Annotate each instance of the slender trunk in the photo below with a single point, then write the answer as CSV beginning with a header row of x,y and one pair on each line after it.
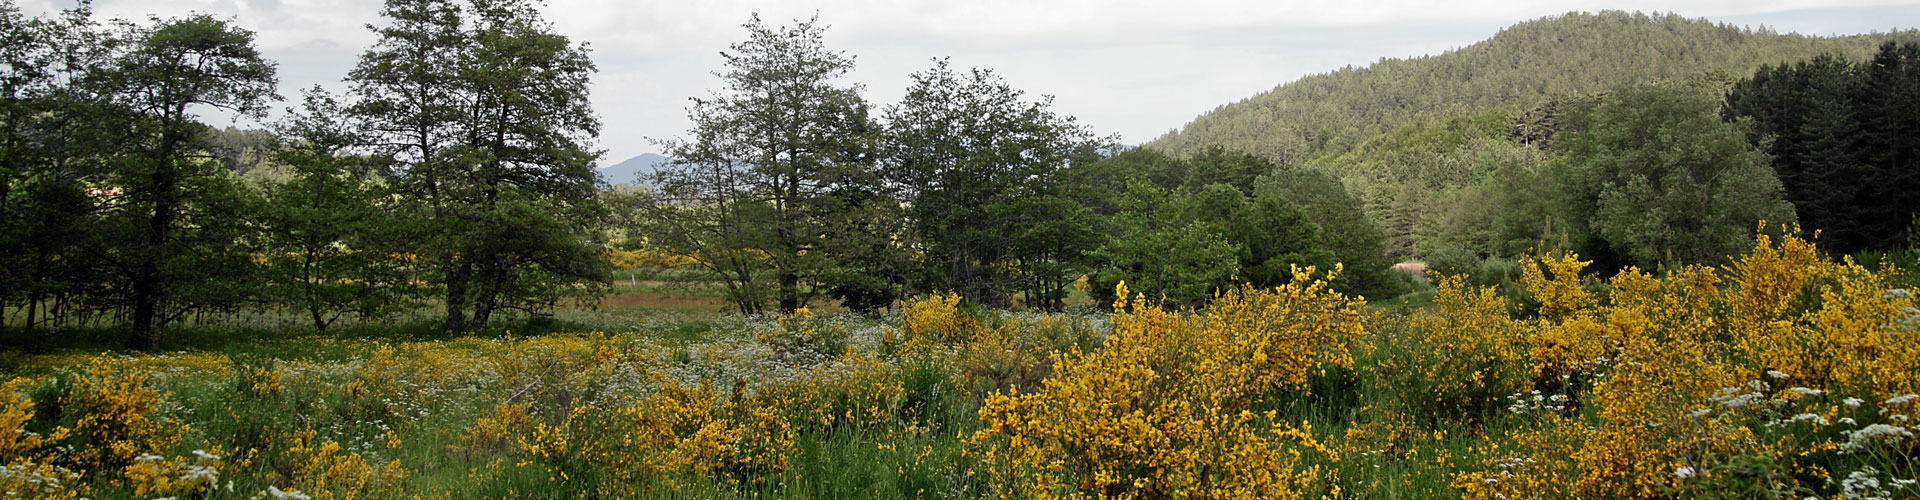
x,y
145,306
789,291
457,281
488,300
37,294
149,293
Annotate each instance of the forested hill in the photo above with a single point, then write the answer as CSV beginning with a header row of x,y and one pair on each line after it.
x,y
1524,64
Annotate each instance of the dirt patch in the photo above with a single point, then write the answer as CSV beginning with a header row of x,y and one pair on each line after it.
x,y
1415,268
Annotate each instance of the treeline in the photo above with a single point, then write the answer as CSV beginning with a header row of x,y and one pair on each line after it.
x,y
789,190
1844,136
1524,65
1657,174
457,170
455,173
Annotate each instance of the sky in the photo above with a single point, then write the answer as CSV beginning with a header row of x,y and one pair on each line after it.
x,y
1134,68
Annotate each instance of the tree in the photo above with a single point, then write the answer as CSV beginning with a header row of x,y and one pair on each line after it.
x,y
176,226
1803,114
1347,234
1652,177
323,248
777,175
1159,248
48,155
483,113
982,172
1888,110
1186,244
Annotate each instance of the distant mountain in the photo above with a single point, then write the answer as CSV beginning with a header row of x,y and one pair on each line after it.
x,y
1522,66
629,172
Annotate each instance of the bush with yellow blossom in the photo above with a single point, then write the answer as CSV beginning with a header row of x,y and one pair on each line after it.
x,y
1166,407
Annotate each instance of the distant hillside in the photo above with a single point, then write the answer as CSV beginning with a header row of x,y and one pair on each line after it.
x,y
628,172
1523,65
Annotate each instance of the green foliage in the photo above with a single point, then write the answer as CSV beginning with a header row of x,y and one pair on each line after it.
x,y
481,114
1842,140
1352,238
320,242
172,238
984,174
1440,149
775,189
1263,225
1652,177
1452,261
1525,64
1159,248
1187,245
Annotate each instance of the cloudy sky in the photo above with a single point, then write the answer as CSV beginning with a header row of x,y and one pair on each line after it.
x,y
1132,67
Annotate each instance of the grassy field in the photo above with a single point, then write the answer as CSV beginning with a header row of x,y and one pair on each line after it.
x,y
1783,374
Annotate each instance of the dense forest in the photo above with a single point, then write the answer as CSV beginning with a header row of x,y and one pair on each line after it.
x,y
1524,65
1436,147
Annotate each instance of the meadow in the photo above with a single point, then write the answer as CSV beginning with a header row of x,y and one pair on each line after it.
x,y
1785,374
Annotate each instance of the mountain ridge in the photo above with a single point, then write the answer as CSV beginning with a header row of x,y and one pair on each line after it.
x,y
631,171
1523,65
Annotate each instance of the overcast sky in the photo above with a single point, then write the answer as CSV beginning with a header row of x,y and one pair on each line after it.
x,y
1135,68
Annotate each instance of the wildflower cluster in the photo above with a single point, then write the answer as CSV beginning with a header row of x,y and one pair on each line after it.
x,y
1757,378
1167,407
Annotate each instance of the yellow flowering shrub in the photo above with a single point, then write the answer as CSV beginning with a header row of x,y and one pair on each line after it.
x,y
679,433
26,456
937,318
1166,407
856,390
1785,374
990,354
116,416
1765,381
802,339
1532,466
321,469
499,429
153,475
1554,281
1468,358
1568,340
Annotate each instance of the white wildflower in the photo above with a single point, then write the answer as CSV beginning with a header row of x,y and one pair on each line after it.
x,y
1902,399
1804,417
1685,472
1778,375
1873,434
1853,402
287,495
1863,483
1806,392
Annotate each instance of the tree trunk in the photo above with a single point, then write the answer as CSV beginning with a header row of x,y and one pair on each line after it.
x,y
456,301
789,291
146,300
489,298
149,291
